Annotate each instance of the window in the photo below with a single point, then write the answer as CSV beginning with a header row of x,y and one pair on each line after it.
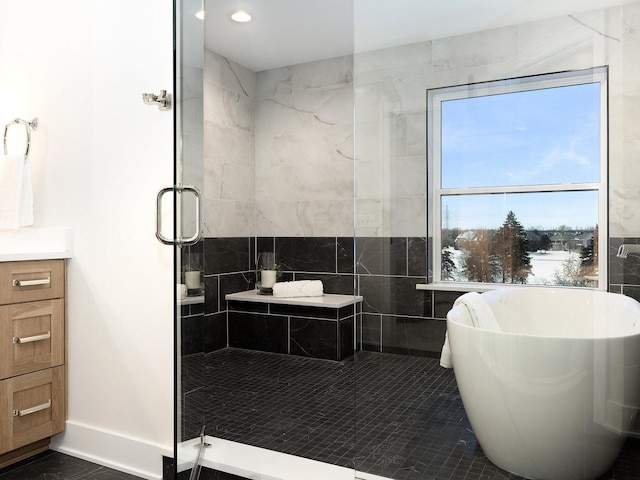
x,y
517,180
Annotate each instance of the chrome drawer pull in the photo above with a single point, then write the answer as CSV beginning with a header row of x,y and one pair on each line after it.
x,y
29,283
29,411
35,338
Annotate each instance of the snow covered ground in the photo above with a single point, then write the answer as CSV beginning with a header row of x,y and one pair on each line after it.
x,y
543,265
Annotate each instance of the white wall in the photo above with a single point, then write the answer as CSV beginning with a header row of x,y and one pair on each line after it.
x,y
99,158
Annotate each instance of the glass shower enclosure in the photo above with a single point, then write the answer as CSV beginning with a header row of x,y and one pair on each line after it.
x,y
325,163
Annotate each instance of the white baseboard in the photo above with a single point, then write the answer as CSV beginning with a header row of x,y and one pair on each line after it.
x,y
111,449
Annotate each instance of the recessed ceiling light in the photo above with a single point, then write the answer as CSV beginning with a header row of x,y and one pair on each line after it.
x,y
200,14
241,17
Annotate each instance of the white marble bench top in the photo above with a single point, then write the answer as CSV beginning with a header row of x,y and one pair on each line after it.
x,y
328,300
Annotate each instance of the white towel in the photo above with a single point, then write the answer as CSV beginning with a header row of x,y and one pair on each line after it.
x,y
479,311
480,316
16,192
301,288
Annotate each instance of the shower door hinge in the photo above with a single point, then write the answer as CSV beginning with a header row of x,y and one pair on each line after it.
x,y
163,101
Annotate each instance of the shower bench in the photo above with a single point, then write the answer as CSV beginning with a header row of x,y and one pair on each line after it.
x,y
317,327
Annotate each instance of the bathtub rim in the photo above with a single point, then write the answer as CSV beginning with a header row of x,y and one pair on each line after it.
x,y
453,314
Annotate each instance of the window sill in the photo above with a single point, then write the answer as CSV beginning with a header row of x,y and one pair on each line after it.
x,y
457,287
479,287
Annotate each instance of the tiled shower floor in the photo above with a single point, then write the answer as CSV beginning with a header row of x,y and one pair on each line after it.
x,y
410,423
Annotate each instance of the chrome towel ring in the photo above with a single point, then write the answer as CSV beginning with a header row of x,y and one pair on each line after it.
x,y
32,125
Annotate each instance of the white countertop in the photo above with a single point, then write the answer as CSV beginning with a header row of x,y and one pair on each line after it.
x,y
35,244
328,300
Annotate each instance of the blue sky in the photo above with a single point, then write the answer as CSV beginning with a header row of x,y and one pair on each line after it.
x,y
547,136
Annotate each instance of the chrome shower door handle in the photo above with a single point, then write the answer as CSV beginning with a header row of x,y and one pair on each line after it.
x,y
180,241
159,235
198,233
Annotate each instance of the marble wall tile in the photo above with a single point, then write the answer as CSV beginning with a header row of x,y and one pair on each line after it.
x,y
333,107
407,176
346,338
319,146
481,48
312,254
393,82
265,244
236,282
406,216
245,218
215,332
229,75
389,63
245,114
381,256
220,105
212,170
314,338
417,256
304,311
371,332
624,191
333,218
229,148
267,333
228,145
274,183
322,74
212,297
345,254
284,113
331,181
370,179
412,336
212,67
443,302
237,182
284,218
341,284
225,255
191,334
369,217
394,295
323,181
623,271
275,83
237,78
219,218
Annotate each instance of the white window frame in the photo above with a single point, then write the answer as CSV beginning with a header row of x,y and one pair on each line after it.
x,y
435,98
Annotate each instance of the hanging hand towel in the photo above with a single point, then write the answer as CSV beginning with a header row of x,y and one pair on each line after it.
x,y
16,192
479,315
301,288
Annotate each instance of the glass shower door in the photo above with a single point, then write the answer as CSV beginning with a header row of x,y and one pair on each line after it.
x,y
189,253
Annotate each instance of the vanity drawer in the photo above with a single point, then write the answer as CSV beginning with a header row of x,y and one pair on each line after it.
x,y
31,408
28,281
31,336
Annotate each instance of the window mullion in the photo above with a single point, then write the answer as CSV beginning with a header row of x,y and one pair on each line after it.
x,y
561,187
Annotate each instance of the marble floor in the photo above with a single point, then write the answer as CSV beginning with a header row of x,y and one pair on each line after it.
x,y
396,416
52,465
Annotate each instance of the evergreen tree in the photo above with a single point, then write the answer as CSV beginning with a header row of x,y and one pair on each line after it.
x,y
589,259
589,254
448,265
545,242
510,247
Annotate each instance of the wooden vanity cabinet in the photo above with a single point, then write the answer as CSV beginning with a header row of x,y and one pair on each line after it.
x,y
32,356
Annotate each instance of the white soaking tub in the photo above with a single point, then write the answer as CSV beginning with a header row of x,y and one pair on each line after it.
x,y
551,390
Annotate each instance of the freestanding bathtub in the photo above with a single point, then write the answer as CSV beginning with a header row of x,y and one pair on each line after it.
x,y
553,393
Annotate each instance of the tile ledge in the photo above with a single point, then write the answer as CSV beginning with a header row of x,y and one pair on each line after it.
x,y
328,300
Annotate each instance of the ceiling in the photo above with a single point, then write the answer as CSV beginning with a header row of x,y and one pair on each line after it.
x,y
288,32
